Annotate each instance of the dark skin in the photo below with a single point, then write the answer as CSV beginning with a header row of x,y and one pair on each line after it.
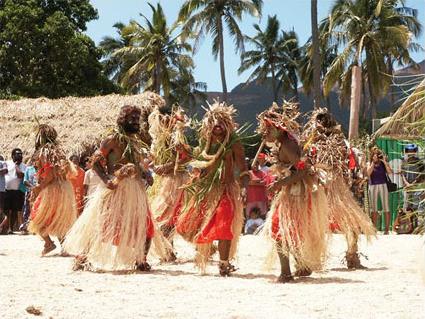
x,y
113,151
17,159
235,157
289,154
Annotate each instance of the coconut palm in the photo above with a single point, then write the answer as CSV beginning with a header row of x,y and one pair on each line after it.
x,y
211,17
114,65
264,58
186,91
315,55
290,57
363,28
328,54
159,51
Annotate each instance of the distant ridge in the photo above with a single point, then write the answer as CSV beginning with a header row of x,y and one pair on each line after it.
x,y
252,98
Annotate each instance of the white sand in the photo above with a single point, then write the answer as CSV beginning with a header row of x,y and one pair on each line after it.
x,y
390,288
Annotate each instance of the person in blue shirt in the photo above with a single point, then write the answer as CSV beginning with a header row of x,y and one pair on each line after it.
x,y
29,181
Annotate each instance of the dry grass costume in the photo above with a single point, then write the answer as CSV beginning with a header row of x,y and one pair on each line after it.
x,y
297,221
116,227
328,149
170,152
214,209
54,209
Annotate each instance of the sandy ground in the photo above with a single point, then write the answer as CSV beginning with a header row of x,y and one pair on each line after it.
x,y
390,288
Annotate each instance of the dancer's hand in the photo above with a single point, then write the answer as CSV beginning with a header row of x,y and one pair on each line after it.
x,y
243,195
111,185
275,187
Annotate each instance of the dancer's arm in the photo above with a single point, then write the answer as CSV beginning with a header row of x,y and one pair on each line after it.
x,y
106,147
239,156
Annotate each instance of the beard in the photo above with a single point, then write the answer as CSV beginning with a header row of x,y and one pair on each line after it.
x,y
131,128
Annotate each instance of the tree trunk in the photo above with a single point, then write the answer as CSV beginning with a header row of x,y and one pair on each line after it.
x,y
372,99
356,79
295,88
328,102
316,56
364,101
274,84
221,49
158,76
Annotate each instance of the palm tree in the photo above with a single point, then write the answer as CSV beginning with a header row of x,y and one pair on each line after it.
x,y
290,57
186,91
316,55
265,56
210,17
328,54
364,28
158,51
114,65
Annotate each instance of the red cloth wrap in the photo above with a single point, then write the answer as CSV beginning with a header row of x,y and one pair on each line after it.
x,y
220,225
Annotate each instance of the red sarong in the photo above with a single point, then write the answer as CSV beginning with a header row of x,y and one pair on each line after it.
x,y
220,225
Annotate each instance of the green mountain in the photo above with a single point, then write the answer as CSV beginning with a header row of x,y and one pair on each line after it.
x,y
252,98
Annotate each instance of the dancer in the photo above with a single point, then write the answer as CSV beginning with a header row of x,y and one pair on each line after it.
x,y
214,209
297,221
171,153
54,210
325,140
116,227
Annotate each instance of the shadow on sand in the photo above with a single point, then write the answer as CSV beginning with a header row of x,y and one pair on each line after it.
x,y
350,270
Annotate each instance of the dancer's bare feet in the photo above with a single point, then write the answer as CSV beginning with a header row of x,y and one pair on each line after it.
x,y
226,269
48,247
285,278
81,263
303,272
144,266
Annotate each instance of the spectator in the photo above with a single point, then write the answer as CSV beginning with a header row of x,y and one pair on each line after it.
x,y
3,172
257,191
377,171
253,222
262,163
91,180
30,180
15,189
76,177
413,173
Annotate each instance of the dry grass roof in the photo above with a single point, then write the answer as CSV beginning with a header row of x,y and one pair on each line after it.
x,y
408,122
78,121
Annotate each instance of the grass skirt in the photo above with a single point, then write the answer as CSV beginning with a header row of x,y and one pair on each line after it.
x,y
345,211
54,210
300,224
165,205
194,221
114,227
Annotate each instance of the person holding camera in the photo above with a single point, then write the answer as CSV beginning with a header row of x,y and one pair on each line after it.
x,y
377,171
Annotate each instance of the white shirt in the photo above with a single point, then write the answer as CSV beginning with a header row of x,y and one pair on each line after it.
x,y
92,180
13,181
253,223
3,165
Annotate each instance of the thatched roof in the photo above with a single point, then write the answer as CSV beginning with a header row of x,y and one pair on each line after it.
x,y
78,121
408,122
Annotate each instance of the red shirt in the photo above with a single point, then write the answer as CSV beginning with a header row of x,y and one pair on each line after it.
x,y
257,193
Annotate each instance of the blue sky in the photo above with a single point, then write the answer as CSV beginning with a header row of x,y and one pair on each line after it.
x,y
292,14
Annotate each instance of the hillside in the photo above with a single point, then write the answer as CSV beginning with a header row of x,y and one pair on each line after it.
x,y
252,98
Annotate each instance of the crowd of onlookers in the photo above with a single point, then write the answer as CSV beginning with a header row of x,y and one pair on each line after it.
x,y
375,175
18,179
